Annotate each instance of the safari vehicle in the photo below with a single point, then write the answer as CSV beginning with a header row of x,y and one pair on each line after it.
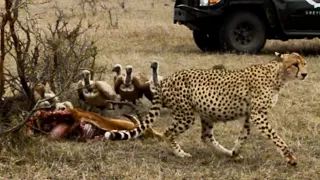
x,y
244,25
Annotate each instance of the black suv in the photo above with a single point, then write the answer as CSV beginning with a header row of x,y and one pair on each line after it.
x,y
244,25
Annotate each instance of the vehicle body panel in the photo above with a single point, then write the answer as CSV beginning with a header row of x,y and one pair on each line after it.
x,y
291,18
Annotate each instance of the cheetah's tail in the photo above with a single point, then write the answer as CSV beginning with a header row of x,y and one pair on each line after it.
x,y
152,115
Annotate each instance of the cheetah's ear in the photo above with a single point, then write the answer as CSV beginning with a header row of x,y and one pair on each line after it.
x,y
279,55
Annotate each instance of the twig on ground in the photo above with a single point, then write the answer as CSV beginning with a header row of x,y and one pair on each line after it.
x,y
46,133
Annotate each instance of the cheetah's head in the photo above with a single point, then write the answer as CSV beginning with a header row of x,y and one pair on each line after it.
x,y
294,66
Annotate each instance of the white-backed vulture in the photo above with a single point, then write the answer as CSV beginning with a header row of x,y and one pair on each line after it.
x,y
43,91
39,91
125,87
95,93
81,84
48,93
44,104
117,68
155,79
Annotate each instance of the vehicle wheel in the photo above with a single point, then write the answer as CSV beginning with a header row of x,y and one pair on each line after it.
x,y
243,32
206,42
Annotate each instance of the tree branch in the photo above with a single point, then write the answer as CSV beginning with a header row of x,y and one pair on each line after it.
x,y
34,109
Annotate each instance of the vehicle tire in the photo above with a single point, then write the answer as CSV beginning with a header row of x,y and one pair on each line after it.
x,y
206,42
243,32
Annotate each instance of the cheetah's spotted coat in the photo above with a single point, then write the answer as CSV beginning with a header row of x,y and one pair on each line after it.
x,y
222,95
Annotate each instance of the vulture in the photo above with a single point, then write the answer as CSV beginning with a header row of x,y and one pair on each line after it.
x,y
128,87
94,93
48,93
132,87
44,104
43,91
153,81
117,68
81,84
39,91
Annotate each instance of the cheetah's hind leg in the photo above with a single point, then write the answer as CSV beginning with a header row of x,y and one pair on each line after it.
x,y
181,122
244,133
207,137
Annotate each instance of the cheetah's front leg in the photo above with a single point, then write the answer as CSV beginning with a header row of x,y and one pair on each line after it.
x,y
259,119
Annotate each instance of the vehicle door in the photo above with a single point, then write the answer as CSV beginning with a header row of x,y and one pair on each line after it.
x,y
299,15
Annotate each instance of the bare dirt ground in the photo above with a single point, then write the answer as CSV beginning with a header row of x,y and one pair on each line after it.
x,y
145,33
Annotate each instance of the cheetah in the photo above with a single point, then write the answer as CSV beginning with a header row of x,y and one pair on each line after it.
x,y
222,95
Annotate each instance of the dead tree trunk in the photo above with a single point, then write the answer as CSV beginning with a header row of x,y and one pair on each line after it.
x,y
2,50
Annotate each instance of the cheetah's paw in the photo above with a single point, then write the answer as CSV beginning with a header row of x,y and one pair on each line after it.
x,y
237,157
181,153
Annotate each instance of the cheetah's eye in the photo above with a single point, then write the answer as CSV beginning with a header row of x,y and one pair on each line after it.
x,y
296,65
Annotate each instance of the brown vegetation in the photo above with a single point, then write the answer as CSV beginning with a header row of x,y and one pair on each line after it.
x,y
145,32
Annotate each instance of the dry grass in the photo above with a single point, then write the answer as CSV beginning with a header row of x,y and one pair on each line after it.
x,y
147,34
